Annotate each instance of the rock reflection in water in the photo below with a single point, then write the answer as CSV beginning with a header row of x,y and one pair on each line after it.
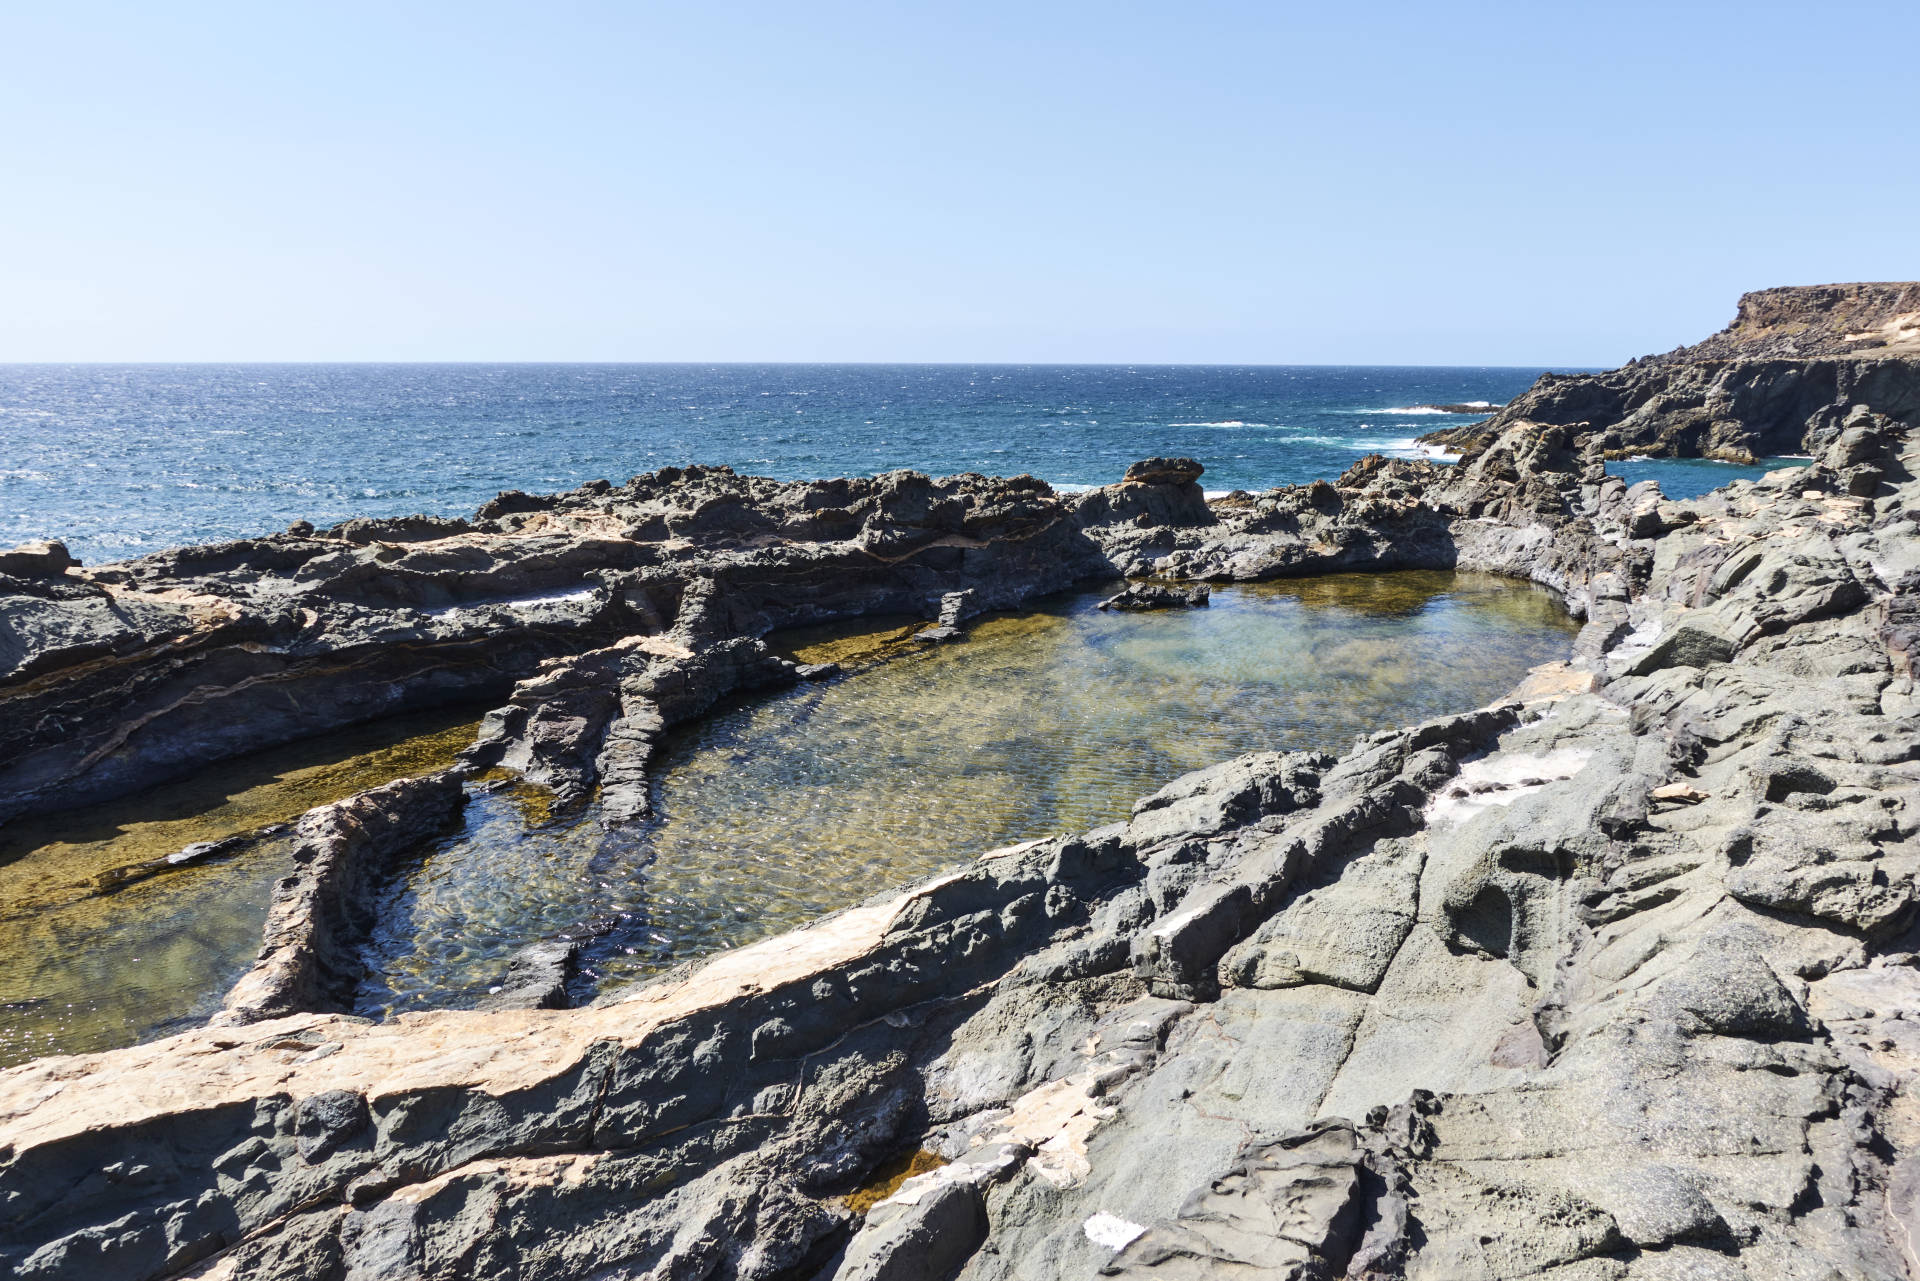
x,y
775,810
92,958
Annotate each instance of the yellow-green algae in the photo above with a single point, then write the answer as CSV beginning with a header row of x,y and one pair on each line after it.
x,y
89,960
774,810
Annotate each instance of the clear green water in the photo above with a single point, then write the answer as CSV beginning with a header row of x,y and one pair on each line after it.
x,y
771,811
98,950
775,810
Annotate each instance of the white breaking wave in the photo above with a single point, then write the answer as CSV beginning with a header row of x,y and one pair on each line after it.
x,y
1408,448
1470,406
1231,422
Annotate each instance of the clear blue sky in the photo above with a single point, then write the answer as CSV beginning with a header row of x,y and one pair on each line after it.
x,y
1339,182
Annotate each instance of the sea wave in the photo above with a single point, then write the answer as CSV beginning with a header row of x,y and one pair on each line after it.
x,y
1469,406
1407,447
1231,422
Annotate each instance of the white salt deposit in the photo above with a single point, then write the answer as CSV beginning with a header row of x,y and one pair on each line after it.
x,y
1112,1231
1501,780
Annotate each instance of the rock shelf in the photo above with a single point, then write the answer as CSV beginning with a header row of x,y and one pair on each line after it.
x,y
1611,979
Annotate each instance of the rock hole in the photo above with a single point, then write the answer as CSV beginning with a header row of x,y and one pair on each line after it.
x,y
1487,922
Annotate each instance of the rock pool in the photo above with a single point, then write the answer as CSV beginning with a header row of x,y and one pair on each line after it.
x,y
773,810
769,812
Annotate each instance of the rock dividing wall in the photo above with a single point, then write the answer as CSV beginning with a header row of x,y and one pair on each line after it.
x,y
321,912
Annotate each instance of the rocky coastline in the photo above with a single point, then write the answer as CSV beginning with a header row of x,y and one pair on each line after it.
x,y
1794,360
1611,979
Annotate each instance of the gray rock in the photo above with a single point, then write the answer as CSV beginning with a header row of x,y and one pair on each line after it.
x,y
322,911
1151,596
1610,981
37,560
536,977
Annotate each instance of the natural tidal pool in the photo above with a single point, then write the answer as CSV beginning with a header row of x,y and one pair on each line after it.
x,y
1683,478
103,944
776,809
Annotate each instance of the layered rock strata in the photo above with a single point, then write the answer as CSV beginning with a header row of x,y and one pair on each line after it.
x,y
1609,980
1793,359
322,911
1613,979
120,677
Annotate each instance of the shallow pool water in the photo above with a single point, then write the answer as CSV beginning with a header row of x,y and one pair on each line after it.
x,y
1683,478
774,810
102,944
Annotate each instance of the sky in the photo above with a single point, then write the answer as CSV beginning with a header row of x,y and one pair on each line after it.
x,y
1520,184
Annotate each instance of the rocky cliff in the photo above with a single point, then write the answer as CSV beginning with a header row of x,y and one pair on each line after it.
x,y
1793,358
1612,979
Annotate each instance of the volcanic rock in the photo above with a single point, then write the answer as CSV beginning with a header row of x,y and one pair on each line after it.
x,y
1792,360
1611,979
1149,596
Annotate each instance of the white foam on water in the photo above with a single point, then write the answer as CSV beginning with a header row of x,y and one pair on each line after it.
x,y
518,604
1407,447
1469,407
1231,422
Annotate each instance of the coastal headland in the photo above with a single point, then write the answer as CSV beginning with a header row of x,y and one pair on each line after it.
x,y
1612,978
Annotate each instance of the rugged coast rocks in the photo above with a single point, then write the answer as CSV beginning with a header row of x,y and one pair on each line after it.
x,y
1612,979
1136,597
121,677
1793,359
322,911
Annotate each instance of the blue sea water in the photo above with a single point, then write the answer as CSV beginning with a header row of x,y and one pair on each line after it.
x,y
120,460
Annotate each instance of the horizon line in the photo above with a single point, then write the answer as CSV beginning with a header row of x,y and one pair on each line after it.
x,y
868,364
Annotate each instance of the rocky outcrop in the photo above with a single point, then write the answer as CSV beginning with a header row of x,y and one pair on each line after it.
x,y
1141,597
1609,980
1793,359
598,717
1801,321
122,676
323,910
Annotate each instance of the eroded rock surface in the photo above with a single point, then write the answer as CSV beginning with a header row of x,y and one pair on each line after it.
x,y
323,909
1614,979
125,675
1793,359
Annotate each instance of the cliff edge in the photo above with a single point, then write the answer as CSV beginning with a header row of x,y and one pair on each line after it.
x,y
1795,359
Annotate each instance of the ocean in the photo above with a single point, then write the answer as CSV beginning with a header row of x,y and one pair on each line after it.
x,y
122,460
